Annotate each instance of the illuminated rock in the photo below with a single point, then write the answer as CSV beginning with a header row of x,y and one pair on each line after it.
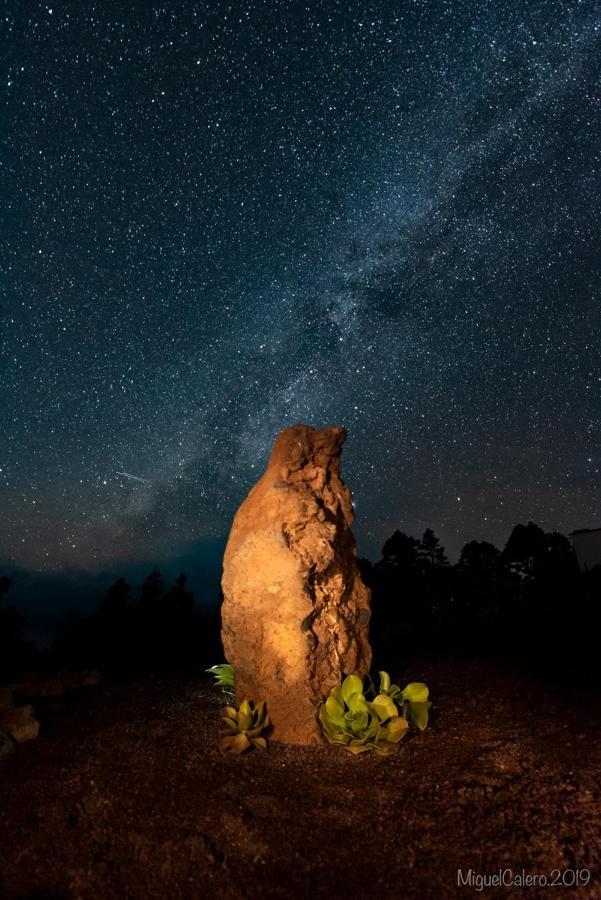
x,y
295,611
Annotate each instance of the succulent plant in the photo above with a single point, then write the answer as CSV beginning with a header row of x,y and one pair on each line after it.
x,y
223,674
244,727
413,699
224,680
353,722
416,704
391,690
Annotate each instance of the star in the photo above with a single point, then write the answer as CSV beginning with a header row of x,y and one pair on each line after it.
x,y
218,226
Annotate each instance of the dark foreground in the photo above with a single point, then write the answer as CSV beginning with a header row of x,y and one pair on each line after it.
x,y
125,795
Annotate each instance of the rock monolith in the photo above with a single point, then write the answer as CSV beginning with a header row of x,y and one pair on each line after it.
x,y
295,611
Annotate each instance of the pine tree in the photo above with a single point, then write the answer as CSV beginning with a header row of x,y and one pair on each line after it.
x,y
116,601
401,550
479,558
152,591
179,598
430,550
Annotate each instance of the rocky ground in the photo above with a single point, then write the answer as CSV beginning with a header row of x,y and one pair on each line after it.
x,y
125,795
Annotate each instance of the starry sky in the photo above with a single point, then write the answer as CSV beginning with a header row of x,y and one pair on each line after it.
x,y
220,219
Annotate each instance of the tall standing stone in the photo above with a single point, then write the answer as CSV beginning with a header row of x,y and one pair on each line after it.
x,y
295,610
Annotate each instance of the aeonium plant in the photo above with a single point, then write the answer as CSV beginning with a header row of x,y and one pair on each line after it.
x,y
413,699
415,703
224,679
244,727
354,717
223,674
359,725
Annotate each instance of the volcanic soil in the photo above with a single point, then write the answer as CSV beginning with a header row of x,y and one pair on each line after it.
x,y
126,795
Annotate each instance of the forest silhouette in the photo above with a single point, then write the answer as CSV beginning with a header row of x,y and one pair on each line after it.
x,y
529,599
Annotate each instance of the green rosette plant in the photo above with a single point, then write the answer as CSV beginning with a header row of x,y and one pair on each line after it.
x,y
413,699
224,679
415,703
359,725
244,727
223,674
391,690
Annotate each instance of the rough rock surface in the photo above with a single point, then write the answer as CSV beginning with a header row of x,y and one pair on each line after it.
x,y
295,612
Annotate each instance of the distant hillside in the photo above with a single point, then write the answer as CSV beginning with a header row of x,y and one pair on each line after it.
x,y
43,597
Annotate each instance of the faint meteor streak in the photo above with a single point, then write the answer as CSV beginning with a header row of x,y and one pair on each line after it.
x,y
133,477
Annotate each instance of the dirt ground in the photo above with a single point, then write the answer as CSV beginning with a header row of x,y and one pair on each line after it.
x,y
125,795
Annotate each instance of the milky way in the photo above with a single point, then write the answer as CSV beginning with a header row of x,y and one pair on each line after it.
x,y
221,219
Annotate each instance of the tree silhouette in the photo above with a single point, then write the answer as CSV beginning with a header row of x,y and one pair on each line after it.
x,y
169,628
479,558
116,627
402,595
401,550
152,591
530,598
12,643
179,627
75,645
430,551
5,584
116,601
15,651
482,594
179,599
524,550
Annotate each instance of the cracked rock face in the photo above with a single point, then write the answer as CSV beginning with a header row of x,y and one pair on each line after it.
x,y
295,612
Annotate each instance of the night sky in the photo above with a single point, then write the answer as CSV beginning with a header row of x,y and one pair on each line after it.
x,y
220,219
